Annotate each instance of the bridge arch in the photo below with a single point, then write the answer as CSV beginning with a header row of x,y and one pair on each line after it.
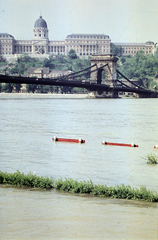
x,y
99,76
106,63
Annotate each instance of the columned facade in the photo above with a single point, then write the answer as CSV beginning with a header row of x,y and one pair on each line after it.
x,y
88,44
85,45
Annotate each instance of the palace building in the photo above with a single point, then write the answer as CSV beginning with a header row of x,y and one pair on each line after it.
x,y
83,44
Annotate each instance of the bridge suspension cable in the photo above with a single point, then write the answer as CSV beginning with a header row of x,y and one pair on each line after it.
x,y
128,80
122,83
88,71
71,74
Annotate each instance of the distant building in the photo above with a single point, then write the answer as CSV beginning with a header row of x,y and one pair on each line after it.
x,y
47,73
59,73
7,44
38,72
83,44
133,48
88,44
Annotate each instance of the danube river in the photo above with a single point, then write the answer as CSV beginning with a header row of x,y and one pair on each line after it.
x,y
27,125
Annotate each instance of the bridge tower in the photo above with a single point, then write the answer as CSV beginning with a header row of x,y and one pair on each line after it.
x,y
106,65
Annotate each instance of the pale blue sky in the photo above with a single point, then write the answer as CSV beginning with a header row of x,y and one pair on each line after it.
x,y
122,20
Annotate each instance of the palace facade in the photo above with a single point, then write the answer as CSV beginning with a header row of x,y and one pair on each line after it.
x,y
83,44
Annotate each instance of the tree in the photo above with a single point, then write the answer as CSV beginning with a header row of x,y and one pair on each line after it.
x,y
64,89
14,70
31,88
43,88
2,59
123,59
17,87
117,50
19,68
46,62
7,87
72,54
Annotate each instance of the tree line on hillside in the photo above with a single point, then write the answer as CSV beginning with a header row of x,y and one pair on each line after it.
x,y
141,67
59,62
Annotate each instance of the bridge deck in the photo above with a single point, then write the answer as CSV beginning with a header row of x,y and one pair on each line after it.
x,y
70,83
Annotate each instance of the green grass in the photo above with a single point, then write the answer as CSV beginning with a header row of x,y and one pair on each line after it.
x,y
29,180
122,192
74,186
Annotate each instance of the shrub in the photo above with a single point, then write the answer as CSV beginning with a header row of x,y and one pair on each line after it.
x,y
29,180
151,159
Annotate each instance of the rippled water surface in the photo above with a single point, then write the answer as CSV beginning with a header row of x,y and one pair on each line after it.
x,y
27,126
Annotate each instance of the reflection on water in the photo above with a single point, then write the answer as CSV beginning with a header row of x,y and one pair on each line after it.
x,y
27,127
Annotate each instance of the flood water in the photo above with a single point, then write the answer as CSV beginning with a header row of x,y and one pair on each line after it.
x,y
27,126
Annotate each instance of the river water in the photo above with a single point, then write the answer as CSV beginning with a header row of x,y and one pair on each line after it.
x,y
27,126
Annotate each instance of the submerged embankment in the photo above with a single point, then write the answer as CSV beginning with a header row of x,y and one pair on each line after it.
x,y
74,186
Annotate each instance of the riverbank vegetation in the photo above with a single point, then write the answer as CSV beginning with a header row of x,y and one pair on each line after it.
x,y
74,186
27,180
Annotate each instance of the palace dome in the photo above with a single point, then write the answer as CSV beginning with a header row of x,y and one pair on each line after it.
x,y
40,23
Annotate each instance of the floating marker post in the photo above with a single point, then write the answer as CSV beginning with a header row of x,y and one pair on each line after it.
x,y
80,140
119,144
156,146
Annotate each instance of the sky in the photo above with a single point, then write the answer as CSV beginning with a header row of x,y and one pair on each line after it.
x,y
122,20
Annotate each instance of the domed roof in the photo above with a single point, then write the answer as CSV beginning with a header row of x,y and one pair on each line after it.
x,y
40,23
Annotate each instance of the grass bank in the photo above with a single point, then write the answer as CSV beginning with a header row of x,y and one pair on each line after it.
x,y
74,186
29,180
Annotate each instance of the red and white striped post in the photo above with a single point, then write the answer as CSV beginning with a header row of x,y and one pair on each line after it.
x,y
119,144
80,140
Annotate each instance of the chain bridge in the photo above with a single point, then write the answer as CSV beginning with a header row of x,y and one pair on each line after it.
x,y
100,79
